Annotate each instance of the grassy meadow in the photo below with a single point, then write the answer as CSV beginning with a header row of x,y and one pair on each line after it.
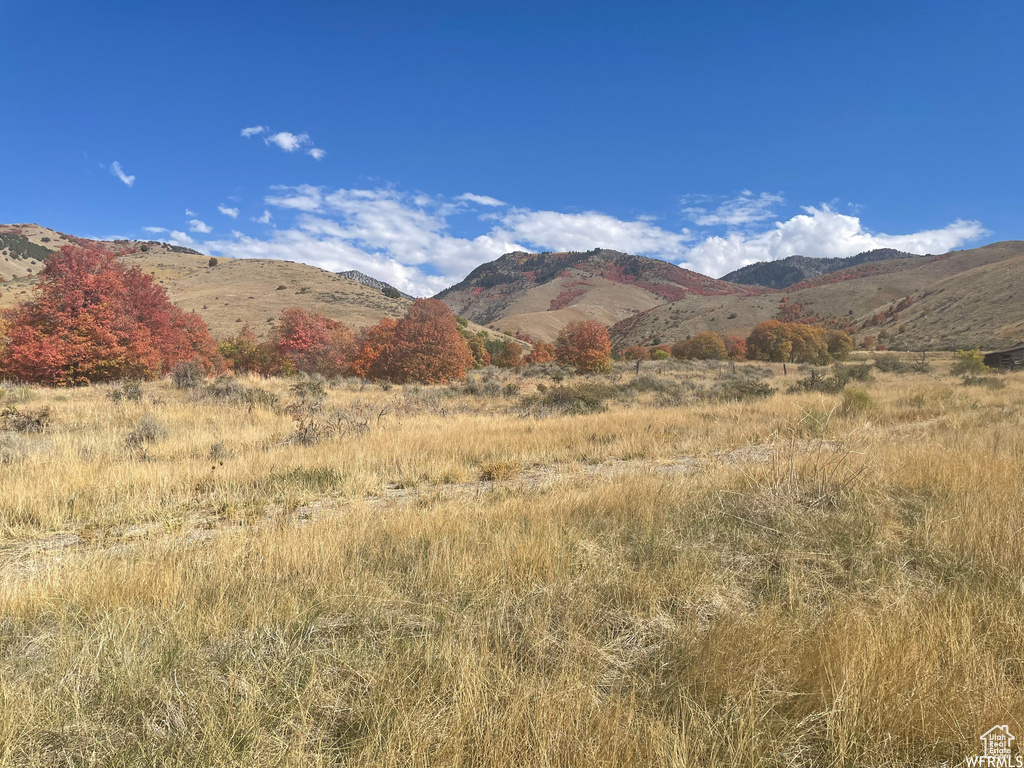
x,y
684,568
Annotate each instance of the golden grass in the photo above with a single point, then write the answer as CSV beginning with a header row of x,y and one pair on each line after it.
x,y
761,583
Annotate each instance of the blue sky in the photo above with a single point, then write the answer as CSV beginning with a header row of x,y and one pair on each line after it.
x,y
415,140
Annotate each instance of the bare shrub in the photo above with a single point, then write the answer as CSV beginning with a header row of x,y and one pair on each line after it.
x,y
13,448
24,421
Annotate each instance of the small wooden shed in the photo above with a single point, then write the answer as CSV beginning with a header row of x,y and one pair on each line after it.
x,y
1011,359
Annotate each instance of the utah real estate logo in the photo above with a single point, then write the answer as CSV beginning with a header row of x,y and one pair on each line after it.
x,y
998,750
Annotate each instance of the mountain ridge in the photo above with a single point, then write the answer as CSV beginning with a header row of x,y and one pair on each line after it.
x,y
783,273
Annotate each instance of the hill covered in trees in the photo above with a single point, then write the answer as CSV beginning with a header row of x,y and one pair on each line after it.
x,y
796,269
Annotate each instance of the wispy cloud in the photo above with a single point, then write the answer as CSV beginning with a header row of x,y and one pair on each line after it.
x,y
254,131
745,208
232,212
195,225
406,238
302,198
317,154
469,197
115,168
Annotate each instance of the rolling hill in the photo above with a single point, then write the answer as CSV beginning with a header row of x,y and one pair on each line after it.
x,y
539,293
959,299
227,296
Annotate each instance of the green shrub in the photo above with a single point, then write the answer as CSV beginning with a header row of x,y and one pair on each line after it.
x,y
817,383
891,364
967,361
130,391
741,389
992,382
855,401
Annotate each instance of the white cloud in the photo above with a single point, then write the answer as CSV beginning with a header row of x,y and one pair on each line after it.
x,y
155,230
189,213
746,208
115,168
254,130
551,230
405,239
195,225
289,142
317,154
180,238
302,198
469,197
232,212
821,232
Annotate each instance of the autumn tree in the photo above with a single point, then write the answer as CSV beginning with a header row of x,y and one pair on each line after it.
x,y
505,354
244,353
735,347
93,320
780,342
424,346
840,345
542,352
373,350
312,343
584,345
478,348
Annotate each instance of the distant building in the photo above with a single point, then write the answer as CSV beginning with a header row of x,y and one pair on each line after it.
x,y
1011,359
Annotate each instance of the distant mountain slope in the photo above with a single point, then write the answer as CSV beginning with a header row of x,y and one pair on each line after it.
x,y
227,296
795,269
372,282
539,293
959,299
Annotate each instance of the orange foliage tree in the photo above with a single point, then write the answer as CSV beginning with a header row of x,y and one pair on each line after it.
x,y
424,346
93,320
542,352
788,343
706,345
585,345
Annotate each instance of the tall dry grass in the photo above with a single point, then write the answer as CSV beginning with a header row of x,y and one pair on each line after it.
x,y
817,589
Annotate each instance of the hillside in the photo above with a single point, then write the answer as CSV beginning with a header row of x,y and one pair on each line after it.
x,y
960,299
373,282
227,296
539,294
795,269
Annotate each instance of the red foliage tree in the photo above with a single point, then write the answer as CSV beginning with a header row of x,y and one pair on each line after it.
x,y
735,347
312,343
584,345
93,320
542,352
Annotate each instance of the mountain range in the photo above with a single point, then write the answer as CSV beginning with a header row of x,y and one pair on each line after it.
x,y
958,299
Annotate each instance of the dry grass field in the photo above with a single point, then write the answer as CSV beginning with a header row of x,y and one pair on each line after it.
x,y
611,572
